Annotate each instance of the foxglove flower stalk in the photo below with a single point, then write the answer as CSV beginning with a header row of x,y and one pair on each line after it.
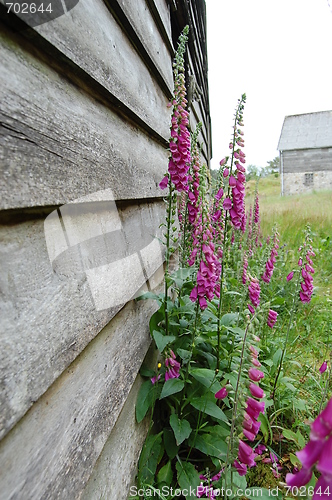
x,y
317,452
254,292
272,318
179,146
307,270
193,194
256,209
245,267
172,367
235,203
208,273
269,266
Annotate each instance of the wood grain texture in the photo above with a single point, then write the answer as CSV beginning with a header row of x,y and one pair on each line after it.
x,y
142,19
58,143
51,453
116,467
49,311
91,37
307,160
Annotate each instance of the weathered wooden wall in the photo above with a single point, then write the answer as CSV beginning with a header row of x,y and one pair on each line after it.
x,y
84,144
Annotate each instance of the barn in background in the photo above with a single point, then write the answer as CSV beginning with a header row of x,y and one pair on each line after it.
x,y
84,135
305,148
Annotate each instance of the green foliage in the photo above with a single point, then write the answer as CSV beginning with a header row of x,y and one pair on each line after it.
x,y
209,343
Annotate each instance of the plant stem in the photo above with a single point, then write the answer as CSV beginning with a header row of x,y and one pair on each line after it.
x,y
236,401
169,217
287,335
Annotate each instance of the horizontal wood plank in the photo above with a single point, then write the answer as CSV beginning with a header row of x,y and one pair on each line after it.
x,y
307,160
116,467
65,278
138,17
52,451
58,143
91,38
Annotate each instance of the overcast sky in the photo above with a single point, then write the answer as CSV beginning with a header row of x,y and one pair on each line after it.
x,y
280,54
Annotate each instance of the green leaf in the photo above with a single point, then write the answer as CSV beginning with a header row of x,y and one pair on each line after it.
x,y
278,301
236,330
294,460
180,276
146,372
291,387
207,378
165,475
148,461
171,386
299,404
188,478
297,438
184,354
228,319
181,428
144,399
155,319
265,428
219,431
162,340
170,444
277,357
208,406
150,295
300,439
210,444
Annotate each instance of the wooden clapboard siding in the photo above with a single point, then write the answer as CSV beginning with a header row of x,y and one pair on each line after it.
x,y
48,313
84,129
307,160
59,143
52,451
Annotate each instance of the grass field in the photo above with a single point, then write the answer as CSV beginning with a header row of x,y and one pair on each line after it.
x,y
291,214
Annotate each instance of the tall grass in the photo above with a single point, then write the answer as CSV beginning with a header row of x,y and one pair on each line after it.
x,y
291,214
311,336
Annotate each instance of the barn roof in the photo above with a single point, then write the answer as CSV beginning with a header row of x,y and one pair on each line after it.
x,y
307,131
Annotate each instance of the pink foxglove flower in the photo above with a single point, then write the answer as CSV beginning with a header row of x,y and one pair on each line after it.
x,y
221,394
255,375
272,318
246,454
164,183
256,391
269,266
323,368
241,468
317,452
290,276
227,204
